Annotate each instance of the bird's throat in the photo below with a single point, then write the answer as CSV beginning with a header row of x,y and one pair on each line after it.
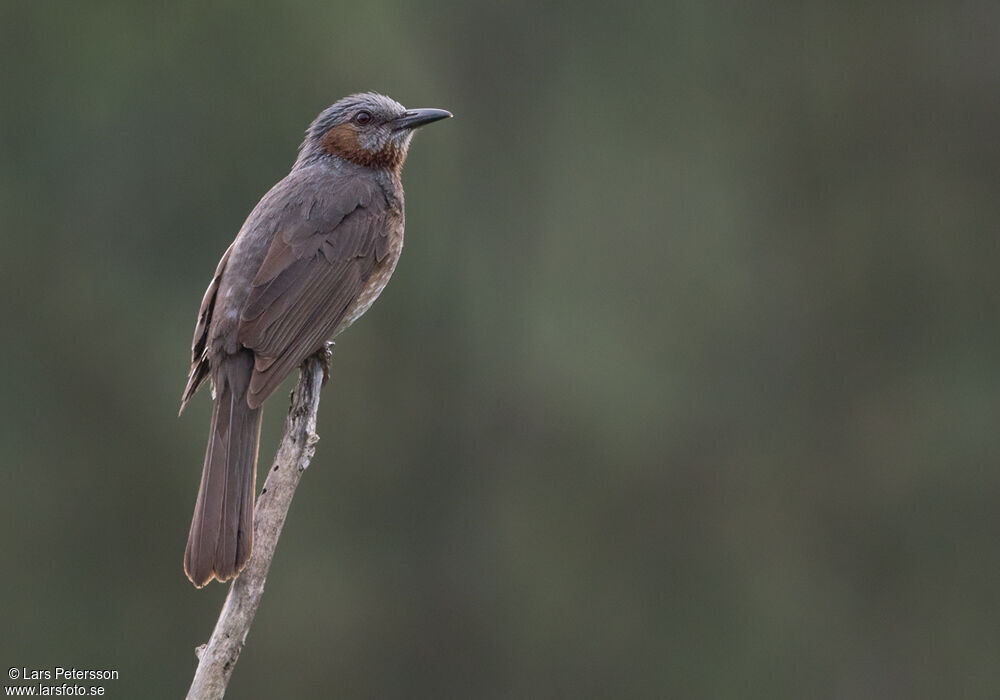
x,y
343,141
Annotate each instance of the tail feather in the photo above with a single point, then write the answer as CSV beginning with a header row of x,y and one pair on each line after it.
x,y
221,534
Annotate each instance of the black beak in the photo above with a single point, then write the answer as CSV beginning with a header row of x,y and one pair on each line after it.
x,y
413,118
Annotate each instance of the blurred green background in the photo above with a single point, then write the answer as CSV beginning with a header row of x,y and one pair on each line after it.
x,y
687,384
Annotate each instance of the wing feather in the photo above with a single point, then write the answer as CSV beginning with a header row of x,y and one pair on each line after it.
x,y
316,268
199,362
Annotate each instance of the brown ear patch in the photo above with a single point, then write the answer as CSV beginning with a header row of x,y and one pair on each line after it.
x,y
342,141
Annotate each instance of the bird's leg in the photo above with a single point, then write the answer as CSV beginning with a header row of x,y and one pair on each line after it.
x,y
325,356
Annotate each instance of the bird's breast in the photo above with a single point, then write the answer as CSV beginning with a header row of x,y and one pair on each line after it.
x,y
376,282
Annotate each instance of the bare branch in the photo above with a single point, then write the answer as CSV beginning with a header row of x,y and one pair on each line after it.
x,y
218,657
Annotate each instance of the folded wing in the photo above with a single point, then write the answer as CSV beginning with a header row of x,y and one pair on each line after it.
x,y
317,266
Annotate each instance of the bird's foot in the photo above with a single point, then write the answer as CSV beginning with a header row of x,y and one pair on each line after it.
x,y
325,357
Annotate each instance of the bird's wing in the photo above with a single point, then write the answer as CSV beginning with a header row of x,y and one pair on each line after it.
x,y
199,361
319,261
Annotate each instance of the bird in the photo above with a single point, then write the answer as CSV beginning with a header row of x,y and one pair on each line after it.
x,y
309,260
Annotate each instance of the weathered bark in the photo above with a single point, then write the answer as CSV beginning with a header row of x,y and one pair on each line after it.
x,y
218,657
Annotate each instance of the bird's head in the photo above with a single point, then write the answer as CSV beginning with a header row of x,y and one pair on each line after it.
x,y
369,129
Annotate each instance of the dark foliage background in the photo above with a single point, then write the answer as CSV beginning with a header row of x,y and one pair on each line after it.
x,y
686,386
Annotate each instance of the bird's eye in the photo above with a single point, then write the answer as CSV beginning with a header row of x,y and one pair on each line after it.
x,y
362,117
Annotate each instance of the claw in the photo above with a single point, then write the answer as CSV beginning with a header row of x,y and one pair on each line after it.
x,y
325,357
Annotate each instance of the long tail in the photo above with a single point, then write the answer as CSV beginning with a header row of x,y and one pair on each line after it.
x,y
222,527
